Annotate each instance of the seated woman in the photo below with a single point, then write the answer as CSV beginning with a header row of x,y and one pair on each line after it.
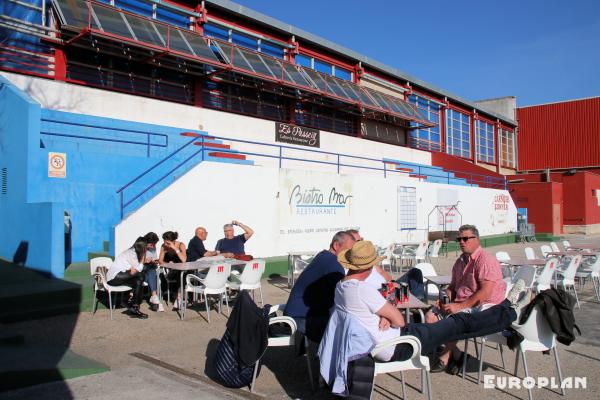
x,y
173,251
384,321
127,270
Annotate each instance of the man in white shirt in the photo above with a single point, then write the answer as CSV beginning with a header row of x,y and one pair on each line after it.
x,y
384,321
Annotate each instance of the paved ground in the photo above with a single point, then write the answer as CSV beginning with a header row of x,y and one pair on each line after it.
x,y
176,357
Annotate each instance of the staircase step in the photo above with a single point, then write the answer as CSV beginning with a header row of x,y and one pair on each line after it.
x,y
404,169
418,176
227,155
213,145
196,135
190,134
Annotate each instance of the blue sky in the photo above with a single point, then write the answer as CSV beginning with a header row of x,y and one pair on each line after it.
x,y
538,50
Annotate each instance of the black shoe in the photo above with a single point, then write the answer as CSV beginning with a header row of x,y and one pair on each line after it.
x,y
438,366
455,366
136,313
154,307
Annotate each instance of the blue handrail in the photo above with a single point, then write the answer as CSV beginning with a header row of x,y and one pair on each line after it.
x,y
148,142
417,169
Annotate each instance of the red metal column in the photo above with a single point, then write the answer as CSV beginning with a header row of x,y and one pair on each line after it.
x,y
60,64
443,147
497,146
472,124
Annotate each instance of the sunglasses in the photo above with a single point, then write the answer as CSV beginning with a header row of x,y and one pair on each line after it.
x,y
465,238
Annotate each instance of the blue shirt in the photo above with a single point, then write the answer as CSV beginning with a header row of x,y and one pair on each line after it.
x,y
234,245
313,292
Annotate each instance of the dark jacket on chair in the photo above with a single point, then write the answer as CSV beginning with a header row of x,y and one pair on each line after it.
x,y
557,307
248,326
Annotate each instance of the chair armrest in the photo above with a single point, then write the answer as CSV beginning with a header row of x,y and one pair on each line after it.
x,y
408,339
276,307
189,278
286,320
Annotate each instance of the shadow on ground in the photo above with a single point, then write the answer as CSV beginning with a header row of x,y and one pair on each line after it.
x,y
38,315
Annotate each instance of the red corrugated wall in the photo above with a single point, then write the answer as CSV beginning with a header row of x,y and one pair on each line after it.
x,y
561,135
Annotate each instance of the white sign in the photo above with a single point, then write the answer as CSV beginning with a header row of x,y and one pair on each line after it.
x,y
314,202
57,165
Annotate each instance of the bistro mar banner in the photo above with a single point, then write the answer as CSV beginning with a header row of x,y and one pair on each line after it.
x,y
312,202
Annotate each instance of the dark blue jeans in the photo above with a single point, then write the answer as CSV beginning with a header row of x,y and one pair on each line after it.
x,y
150,277
457,327
414,278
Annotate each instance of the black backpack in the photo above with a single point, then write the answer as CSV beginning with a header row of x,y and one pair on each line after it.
x,y
557,306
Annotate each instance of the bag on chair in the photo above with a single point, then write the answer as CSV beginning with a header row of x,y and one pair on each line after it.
x,y
243,343
228,369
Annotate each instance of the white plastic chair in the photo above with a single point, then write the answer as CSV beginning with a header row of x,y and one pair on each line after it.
x,y
544,279
428,270
283,341
249,279
415,255
529,253
567,278
415,362
502,256
554,247
215,283
593,273
98,268
566,244
545,249
392,253
538,337
527,273
434,249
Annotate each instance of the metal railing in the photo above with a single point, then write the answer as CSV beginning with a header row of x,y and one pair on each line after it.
x,y
148,143
422,172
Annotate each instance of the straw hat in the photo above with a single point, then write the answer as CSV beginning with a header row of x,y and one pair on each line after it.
x,y
362,255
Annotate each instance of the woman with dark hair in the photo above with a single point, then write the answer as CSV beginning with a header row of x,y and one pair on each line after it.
x,y
150,273
173,251
127,270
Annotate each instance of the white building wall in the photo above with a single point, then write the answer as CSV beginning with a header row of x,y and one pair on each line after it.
x,y
259,197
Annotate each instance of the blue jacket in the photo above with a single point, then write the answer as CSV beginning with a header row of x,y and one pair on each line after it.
x,y
345,340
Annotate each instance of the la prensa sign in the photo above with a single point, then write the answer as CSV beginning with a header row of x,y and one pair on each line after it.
x,y
294,134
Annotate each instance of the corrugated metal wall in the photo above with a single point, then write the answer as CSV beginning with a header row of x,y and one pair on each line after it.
x,y
560,135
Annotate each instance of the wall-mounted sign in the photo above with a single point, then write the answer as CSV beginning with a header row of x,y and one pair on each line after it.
x,y
57,165
299,135
314,202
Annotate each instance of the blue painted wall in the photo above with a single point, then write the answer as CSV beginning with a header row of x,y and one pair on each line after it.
x,y
37,228
97,169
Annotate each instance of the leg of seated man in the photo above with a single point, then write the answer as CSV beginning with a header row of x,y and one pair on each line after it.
x,y
462,326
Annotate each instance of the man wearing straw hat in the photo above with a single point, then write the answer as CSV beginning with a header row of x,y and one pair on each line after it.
x,y
384,321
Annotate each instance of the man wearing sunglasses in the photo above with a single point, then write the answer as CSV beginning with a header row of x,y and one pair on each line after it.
x,y
476,285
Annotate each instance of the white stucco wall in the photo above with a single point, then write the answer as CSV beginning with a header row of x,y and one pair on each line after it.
x,y
259,198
